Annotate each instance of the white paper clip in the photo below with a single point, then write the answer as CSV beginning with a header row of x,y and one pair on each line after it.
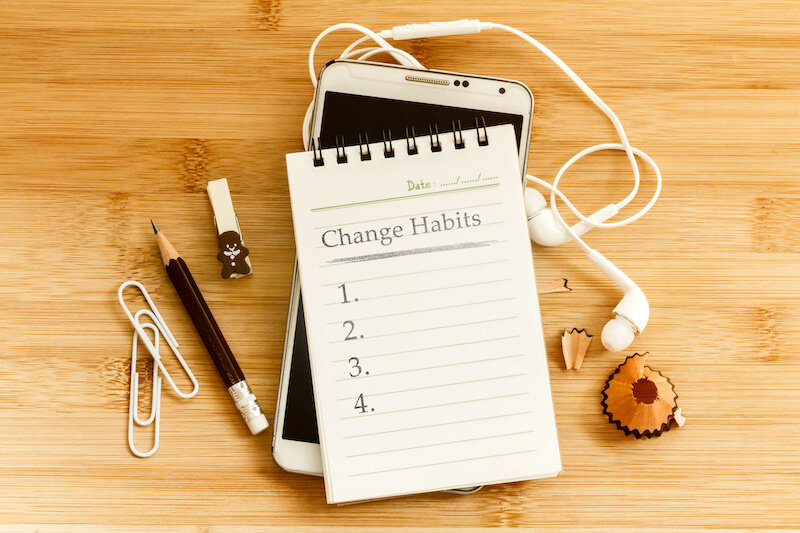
x,y
233,254
135,380
159,329
155,316
133,404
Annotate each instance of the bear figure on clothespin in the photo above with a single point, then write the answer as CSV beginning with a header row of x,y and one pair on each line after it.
x,y
233,254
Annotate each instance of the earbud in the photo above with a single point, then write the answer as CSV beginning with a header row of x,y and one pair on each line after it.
x,y
543,228
631,313
546,230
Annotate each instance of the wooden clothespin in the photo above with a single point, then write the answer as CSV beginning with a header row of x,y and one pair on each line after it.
x,y
233,255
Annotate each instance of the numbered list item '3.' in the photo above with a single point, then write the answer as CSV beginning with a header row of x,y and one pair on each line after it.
x,y
424,332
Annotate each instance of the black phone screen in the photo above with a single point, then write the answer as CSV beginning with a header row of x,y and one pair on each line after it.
x,y
348,116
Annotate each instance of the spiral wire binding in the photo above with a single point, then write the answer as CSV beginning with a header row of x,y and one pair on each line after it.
x,y
482,141
388,149
341,155
411,142
458,135
436,146
317,150
365,156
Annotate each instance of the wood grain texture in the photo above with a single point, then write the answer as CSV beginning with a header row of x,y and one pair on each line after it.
x,y
115,112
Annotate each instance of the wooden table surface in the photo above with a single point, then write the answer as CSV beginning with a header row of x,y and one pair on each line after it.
x,y
115,112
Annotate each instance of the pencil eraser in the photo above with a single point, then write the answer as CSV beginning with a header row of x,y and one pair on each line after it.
x,y
257,424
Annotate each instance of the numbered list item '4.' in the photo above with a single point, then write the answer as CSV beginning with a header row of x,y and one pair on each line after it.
x,y
424,333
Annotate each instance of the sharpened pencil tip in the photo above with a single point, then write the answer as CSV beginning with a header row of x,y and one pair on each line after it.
x,y
155,228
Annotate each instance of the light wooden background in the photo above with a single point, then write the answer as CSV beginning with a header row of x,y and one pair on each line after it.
x,y
115,112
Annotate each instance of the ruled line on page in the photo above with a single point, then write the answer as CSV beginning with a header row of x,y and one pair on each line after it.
x,y
461,286
428,290
366,415
408,215
439,385
443,463
415,311
429,329
440,444
459,363
454,422
337,283
407,197
430,348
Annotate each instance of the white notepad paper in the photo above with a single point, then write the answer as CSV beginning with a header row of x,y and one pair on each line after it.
x,y
427,356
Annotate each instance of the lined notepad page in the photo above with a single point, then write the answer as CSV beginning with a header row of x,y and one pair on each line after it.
x,y
426,344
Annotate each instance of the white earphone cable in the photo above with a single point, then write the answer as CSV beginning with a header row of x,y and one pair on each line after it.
x,y
401,56
361,54
554,191
624,145
343,26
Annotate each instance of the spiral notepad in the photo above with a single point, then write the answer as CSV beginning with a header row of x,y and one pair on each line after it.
x,y
425,339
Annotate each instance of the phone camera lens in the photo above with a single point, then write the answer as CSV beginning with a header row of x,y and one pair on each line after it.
x,y
466,83
456,83
502,90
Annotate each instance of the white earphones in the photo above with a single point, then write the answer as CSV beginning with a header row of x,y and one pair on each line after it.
x,y
548,229
546,225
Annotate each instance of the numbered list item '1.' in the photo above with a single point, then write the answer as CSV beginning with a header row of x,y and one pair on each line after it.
x,y
423,321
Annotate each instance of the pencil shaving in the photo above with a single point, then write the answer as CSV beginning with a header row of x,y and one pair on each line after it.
x,y
679,418
640,401
574,344
556,286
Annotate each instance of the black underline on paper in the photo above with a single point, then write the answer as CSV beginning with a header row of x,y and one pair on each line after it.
x,y
396,198
441,443
408,215
431,348
331,264
442,463
431,329
414,311
411,251
481,419
479,380
337,283
432,406
373,375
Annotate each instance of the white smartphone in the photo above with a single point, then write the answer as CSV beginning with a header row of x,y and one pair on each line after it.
x,y
359,98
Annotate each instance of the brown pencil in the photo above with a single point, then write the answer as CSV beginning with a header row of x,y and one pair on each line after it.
x,y
212,337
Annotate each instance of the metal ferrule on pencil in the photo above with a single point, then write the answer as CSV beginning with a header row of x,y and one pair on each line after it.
x,y
245,401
